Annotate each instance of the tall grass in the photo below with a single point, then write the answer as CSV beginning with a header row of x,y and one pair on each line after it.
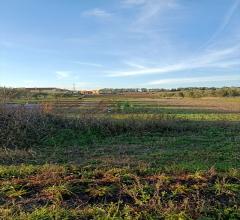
x,y
25,128
21,127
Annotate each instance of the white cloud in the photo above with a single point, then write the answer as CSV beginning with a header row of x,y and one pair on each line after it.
x,y
226,78
223,58
96,12
63,74
135,65
149,70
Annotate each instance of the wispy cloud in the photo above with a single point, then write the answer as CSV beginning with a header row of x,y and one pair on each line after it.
x,y
204,79
63,74
152,26
149,70
96,12
226,20
229,15
135,65
218,59
151,9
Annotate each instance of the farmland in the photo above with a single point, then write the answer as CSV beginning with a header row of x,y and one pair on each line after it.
x,y
134,156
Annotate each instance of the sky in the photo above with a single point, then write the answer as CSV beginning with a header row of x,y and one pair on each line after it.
x,y
119,43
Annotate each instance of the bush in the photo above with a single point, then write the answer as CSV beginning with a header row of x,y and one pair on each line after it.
x,y
24,128
21,127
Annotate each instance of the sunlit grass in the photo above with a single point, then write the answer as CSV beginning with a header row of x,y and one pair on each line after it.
x,y
185,116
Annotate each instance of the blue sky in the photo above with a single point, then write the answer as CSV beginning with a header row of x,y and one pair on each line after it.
x,y
119,43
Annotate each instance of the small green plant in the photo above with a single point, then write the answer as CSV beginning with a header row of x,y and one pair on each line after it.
x,y
57,192
12,192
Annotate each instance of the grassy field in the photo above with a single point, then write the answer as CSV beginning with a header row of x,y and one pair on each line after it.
x,y
121,157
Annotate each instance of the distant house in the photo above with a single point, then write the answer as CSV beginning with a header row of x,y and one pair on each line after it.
x,y
95,92
89,92
46,90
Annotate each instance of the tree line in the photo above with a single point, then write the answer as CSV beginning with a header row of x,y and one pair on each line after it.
x,y
194,92
7,94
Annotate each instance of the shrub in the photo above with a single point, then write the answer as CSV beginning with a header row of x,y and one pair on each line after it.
x,y
21,127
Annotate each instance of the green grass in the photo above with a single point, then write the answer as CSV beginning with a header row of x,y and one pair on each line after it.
x,y
183,116
149,162
73,192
